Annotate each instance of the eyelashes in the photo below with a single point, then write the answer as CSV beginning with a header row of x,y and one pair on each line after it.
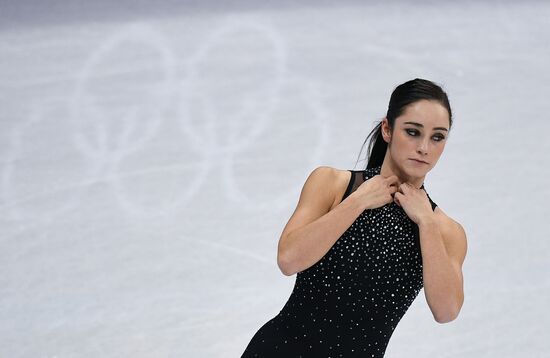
x,y
414,132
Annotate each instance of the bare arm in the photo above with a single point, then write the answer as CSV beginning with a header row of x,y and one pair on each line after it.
x,y
314,228
444,248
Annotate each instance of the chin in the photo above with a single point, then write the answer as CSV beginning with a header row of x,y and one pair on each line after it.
x,y
414,169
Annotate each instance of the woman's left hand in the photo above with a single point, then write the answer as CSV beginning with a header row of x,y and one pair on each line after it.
x,y
414,201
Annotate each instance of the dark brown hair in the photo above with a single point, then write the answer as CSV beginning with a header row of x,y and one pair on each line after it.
x,y
402,96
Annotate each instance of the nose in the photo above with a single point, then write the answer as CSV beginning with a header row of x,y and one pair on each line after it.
x,y
423,148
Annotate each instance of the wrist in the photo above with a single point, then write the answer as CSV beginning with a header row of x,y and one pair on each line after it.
x,y
359,201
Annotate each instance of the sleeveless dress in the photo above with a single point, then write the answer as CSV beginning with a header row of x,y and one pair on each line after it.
x,y
349,302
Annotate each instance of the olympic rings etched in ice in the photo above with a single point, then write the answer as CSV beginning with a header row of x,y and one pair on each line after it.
x,y
120,105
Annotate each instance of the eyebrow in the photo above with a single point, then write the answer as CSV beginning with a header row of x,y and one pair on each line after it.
x,y
422,126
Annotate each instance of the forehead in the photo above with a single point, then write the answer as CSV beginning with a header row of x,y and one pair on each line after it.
x,y
429,113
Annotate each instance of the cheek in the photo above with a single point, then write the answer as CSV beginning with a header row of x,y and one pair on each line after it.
x,y
439,148
408,143
403,147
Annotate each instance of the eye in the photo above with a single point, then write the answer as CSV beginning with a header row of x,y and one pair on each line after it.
x,y
414,132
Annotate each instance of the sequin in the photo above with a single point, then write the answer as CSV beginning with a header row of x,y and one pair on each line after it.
x,y
349,303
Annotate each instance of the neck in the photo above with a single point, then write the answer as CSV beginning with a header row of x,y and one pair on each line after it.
x,y
388,169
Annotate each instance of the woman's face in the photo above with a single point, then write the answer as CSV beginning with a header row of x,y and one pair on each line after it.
x,y
419,133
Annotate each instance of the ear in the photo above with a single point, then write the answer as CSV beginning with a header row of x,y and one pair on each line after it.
x,y
386,132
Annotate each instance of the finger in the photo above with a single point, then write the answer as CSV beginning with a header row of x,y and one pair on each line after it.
x,y
396,198
391,180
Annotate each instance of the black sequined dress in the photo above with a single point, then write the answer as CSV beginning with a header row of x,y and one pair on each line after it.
x,y
349,302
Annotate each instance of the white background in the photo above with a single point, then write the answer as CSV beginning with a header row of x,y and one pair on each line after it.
x,y
151,154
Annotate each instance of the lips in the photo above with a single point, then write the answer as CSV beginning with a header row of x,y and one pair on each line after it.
x,y
418,160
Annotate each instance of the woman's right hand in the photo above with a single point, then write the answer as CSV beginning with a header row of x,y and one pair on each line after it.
x,y
377,191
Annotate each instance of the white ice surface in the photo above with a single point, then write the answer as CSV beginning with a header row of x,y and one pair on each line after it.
x,y
149,161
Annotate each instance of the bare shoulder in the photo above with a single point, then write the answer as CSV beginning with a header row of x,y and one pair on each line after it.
x,y
326,177
445,221
453,234
341,181
335,180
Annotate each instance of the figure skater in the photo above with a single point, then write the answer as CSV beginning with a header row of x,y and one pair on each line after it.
x,y
363,243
